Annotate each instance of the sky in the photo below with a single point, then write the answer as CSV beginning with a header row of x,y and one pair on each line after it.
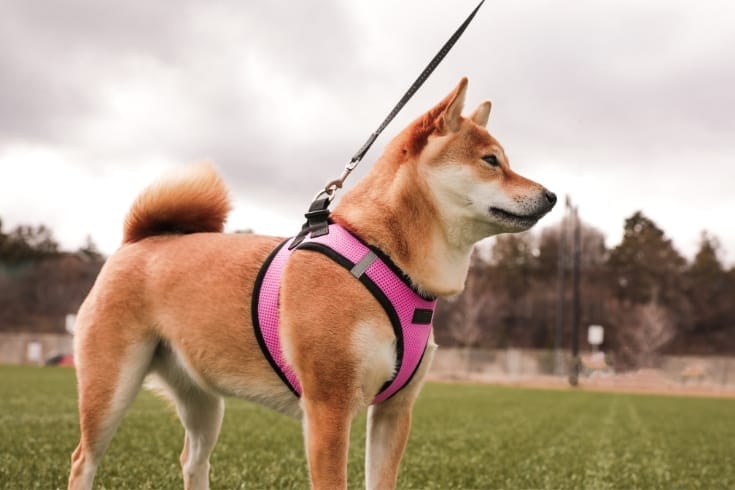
x,y
622,105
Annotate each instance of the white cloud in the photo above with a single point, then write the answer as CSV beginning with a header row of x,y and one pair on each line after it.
x,y
48,186
624,105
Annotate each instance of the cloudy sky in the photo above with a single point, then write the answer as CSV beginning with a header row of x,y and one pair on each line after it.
x,y
622,104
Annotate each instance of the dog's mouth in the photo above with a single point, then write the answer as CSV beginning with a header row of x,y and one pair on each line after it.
x,y
520,220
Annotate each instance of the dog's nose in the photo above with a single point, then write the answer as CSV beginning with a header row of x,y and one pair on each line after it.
x,y
550,197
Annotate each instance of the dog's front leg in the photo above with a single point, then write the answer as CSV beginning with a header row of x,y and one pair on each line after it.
x,y
388,426
327,437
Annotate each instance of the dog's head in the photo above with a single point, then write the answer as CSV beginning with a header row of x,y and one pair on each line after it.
x,y
468,173
441,185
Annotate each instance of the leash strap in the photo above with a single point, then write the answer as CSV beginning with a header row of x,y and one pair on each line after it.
x,y
331,188
317,218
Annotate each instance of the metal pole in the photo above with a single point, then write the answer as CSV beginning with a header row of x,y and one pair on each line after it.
x,y
576,308
558,353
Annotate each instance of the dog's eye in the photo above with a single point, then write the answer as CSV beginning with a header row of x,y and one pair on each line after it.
x,y
492,160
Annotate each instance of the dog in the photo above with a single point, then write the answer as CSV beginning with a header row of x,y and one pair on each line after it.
x,y
173,302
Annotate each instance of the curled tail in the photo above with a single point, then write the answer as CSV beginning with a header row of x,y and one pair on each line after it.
x,y
193,201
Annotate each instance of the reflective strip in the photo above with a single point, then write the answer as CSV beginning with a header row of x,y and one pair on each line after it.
x,y
360,268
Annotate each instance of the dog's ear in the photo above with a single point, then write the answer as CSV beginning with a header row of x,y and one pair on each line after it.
x,y
451,117
482,113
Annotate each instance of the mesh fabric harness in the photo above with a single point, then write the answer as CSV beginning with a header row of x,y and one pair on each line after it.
x,y
410,313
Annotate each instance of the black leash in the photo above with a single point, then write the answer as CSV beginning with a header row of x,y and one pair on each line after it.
x,y
318,214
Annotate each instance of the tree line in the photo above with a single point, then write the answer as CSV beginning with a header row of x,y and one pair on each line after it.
x,y
650,299
40,283
646,295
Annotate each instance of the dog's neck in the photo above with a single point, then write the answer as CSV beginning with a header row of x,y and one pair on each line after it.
x,y
391,208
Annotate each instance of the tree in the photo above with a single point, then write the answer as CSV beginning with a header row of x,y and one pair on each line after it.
x,y
467,318
90,251
593,253
39,284
26,243
640,331
645,264
513,263
710,289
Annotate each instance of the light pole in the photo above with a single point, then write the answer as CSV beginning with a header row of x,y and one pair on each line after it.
x,y
576,303
561,265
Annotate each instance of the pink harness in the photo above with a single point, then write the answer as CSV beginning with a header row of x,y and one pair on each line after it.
x,y
410,313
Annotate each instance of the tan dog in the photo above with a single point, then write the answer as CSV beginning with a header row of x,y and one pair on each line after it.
x,y
174,301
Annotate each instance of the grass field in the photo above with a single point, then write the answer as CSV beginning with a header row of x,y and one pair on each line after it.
x,y
464,436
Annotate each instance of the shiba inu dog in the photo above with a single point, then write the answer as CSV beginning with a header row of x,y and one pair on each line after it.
x,y
172,303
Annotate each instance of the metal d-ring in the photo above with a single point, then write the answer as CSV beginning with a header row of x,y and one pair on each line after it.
x,y
327,192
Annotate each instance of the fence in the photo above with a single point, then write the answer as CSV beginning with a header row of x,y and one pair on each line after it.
x,y
527,366
32,348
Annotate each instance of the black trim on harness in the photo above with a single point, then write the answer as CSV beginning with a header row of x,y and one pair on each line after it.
x,y
418,365
256,320
380,297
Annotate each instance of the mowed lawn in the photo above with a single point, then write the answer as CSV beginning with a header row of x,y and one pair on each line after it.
x,y
464,436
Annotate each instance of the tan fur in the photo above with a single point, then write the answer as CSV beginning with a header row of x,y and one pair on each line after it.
x,y
193,202
174,302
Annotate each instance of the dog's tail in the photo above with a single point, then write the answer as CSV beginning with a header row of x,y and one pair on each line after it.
x,y
191,202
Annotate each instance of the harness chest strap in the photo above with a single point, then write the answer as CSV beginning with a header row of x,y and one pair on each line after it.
x,y
409,312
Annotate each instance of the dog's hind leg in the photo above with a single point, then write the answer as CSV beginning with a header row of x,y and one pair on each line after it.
x,y
201,415
110,369
200,411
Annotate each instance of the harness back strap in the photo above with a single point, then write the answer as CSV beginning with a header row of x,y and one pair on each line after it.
x,y
409,312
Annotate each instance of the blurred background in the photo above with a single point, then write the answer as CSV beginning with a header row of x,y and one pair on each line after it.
x,y
624,108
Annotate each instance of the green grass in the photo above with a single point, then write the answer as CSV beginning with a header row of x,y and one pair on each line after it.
x,y
464,436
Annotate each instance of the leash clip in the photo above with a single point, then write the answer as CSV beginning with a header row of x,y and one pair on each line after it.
x,y
330,190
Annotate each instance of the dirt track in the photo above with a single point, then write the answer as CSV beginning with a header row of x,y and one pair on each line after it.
x,y
646,381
